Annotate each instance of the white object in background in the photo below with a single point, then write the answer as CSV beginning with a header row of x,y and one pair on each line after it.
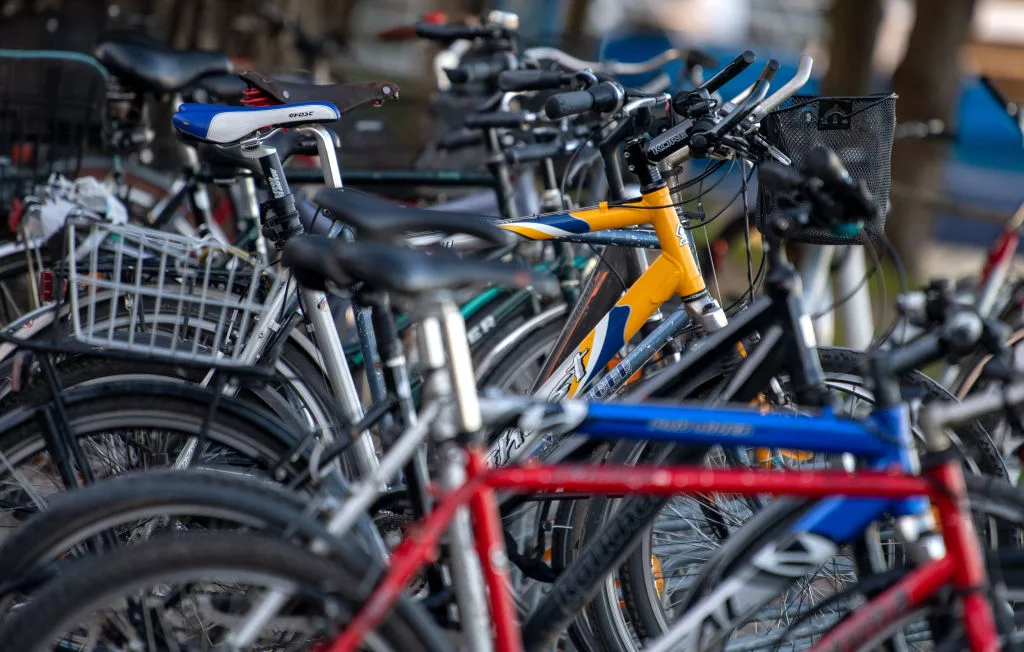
x,y
46,213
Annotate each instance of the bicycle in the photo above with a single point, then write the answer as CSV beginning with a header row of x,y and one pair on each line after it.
x,y
455,422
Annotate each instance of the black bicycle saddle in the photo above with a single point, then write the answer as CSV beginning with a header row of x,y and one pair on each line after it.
x,y
159,69
316,259
378,219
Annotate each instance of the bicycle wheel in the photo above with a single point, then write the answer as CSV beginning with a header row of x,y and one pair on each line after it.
x,y
298,396
130,425
999,510
187,593
518,367
680,535
131,508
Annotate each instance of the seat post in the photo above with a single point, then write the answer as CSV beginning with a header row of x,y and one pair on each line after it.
x,y
328,157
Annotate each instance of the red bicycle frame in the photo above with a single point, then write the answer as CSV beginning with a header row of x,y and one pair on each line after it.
x,y
962,566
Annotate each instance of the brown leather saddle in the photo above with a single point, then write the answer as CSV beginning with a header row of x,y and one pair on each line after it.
x,y
347,97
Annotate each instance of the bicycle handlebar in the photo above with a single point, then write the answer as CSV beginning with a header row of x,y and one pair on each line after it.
x,y
603,98
532,80
787,90
479,70
447,33
535,152
569,62
728,73
498,119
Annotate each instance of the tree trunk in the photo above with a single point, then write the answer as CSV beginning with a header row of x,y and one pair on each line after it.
x,y
854,27
928,85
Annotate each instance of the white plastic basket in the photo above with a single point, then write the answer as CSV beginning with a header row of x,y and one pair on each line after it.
x,y
164,295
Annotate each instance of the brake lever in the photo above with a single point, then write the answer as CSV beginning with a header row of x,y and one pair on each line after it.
x,y
770,149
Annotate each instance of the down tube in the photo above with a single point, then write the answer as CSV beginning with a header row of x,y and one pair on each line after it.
x,y
625,319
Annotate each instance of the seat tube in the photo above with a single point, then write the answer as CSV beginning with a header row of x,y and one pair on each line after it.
x,y
362,455
463,421
317,311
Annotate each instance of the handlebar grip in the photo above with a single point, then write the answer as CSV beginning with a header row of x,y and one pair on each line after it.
x,y
778,178
730,71
769,71
436,32
535,152
531,80
605,97
824,164
563,105
459,139
695,57
496,120
479,70
922,351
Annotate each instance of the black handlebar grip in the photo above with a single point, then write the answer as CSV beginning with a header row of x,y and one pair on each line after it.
x,y
479,70
608,96
496,120
602,98
459,139
534,152
730,71
825,165
769,71
778,178
695,57
448,32
563,105
532,80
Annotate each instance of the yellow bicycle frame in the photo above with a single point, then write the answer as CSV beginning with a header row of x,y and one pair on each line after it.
x,y
674,272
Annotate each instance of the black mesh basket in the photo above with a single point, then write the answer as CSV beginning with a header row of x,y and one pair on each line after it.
x,y
858,129
51,104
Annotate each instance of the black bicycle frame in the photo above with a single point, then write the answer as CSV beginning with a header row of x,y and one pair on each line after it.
x,y
778,318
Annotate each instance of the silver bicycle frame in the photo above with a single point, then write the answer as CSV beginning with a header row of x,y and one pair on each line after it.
x,y
362,455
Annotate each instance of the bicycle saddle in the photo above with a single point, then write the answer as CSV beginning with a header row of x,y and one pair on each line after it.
x,y
229,124
378,219
159,69
347,97
316,259
221,88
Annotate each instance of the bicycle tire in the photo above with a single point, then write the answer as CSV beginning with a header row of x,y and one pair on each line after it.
x,y
636,515
251,439
990,496
301,390
99,580
50,540
517,362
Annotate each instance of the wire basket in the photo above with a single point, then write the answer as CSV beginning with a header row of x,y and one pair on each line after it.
x,y
51,107
858,129
161,295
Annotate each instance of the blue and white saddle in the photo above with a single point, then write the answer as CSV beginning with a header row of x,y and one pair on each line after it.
x,y
229,124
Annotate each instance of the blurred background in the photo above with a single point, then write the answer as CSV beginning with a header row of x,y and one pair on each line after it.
x,y
950,195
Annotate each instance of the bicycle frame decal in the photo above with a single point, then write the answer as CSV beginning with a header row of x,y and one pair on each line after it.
x,y
673,272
